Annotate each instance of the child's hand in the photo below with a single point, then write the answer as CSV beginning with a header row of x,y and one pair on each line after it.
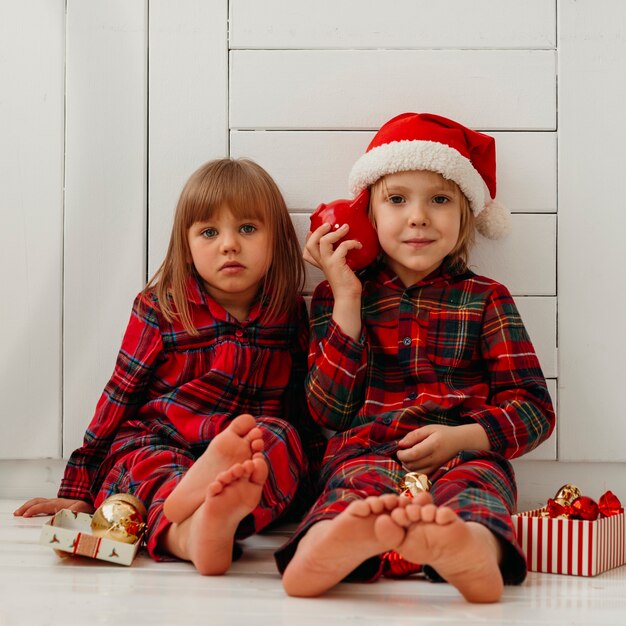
x,y
50,506
427,448
320,251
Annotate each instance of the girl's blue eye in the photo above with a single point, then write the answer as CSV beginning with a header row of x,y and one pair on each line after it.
x,y
209,232
248,229
396,199
440,199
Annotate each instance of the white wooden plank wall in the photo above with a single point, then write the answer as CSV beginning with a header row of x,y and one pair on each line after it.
x,y
153,88
592,230
105,197
309,85
31,226
404,24
188,104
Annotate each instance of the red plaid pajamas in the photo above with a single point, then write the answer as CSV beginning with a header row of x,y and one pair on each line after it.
x,y
449,350
171,393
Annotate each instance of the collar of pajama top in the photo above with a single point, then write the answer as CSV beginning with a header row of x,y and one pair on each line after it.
x,y
197,294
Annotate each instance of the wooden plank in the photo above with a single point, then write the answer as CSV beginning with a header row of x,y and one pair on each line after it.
x,y
403,24
313,166
188,121
331,89
105,209
539,315
32,57
524,261
592,230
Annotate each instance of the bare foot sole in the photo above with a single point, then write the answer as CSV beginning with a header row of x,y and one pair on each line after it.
x,y
331,549
234,493
465,554
237,443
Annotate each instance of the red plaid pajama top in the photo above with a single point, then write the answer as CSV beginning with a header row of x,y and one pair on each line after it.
x,y
187,388
451,349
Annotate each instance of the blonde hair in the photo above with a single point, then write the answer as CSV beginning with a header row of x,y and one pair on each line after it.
x,y
247,190
458,258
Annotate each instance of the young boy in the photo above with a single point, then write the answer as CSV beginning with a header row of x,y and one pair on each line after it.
x,y
418,365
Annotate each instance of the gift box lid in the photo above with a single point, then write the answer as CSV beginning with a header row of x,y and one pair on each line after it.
x,y
70,532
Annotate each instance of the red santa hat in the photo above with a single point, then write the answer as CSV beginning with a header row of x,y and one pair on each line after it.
x,y
422,141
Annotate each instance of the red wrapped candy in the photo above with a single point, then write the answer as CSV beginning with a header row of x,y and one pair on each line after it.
x,y
396,566
584,507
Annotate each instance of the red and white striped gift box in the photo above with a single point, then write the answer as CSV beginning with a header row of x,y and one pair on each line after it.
x,y
569,546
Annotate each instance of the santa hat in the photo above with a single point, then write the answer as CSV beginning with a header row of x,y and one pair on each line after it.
x,y
422,141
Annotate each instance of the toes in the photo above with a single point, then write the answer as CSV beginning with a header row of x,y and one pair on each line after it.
x,y
390,501
423,497
445,515
242,424
260,471
429,513
215,488
257,445
359,508
388,532
400,516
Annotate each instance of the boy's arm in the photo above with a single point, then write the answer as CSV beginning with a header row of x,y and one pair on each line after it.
x,y
518,415
123,394
337,366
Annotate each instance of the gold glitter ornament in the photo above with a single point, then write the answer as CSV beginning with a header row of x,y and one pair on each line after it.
x,y
567,494
121,517
414,483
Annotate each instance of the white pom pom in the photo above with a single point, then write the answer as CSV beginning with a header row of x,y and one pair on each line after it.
x,y
493,221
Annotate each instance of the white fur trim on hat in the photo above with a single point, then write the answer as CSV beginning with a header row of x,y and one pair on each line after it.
x,y
407,155
492,218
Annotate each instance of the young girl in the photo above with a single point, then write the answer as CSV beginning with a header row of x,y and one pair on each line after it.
x,y
418,365
218,336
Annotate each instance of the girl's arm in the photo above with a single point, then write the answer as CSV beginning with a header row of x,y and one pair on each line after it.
x,y
50,506
124,393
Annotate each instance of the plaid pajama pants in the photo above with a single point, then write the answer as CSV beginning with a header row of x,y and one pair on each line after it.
x,y
149,464
478,486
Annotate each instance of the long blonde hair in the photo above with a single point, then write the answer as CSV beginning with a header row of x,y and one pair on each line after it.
x,y
247,190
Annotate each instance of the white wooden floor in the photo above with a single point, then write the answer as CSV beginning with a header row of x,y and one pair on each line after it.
x,y
39,588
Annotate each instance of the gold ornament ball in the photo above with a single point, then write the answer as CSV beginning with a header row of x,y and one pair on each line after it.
x,y
121,517
567,494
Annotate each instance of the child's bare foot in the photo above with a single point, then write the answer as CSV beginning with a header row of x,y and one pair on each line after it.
x,y
331,549
466,554
235,444
210,532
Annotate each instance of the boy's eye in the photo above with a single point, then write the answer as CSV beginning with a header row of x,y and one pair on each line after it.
x,y
209,232
440,199
396,199
247,229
